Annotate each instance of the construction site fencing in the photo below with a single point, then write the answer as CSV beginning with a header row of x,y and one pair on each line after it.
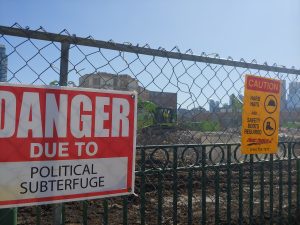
x,y
189,168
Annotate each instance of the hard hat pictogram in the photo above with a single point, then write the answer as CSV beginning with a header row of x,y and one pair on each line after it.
x,y
270,104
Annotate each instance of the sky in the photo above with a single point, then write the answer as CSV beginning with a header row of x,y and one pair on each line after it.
x,y
265,30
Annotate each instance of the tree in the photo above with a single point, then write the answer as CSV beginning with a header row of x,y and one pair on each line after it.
x,y
146,113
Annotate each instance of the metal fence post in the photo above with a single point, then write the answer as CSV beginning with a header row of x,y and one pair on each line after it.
x,y
203,185
64,64
63,81
175,185
143,187
298,185
8,216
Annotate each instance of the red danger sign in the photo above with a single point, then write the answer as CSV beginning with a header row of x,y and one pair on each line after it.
x,y
64,144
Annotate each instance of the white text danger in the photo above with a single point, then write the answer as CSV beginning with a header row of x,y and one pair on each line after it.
x,y
62,115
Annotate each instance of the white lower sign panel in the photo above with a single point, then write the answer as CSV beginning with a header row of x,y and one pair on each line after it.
x,y
44,179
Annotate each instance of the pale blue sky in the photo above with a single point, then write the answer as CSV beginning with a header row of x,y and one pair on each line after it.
x,y
265,30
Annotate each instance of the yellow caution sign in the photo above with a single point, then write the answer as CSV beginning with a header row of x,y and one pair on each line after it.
x,y
260,115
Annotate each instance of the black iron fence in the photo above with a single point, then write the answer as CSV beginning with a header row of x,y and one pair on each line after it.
x,y
196,184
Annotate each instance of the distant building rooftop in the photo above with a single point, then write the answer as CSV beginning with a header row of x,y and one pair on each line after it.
x,y
124,82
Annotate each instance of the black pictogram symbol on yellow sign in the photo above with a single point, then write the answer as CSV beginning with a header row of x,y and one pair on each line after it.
x,y
269,126
270,104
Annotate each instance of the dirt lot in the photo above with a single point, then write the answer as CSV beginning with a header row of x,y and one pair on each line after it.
x,y
96,211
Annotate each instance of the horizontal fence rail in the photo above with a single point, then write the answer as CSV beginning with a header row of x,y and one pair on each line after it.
x,y
72,39
189,167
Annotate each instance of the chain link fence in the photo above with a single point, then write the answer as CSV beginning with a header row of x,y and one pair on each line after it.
x,y
189,169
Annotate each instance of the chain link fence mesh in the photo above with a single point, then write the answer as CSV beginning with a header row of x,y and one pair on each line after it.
x,y
204,98
183,99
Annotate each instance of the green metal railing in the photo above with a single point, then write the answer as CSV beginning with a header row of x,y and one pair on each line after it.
x,y
197,184
233,188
